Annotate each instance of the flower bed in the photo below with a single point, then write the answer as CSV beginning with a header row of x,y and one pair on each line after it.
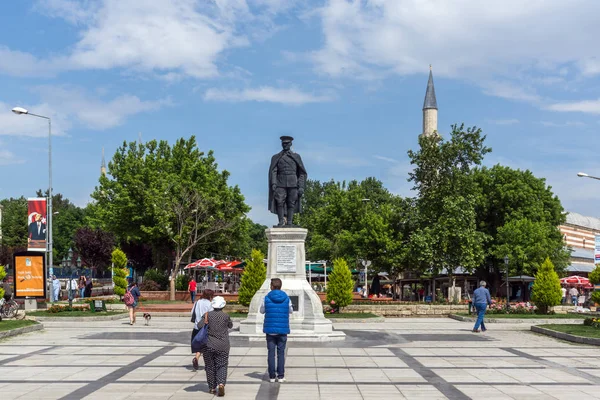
x,y
514,308
592,322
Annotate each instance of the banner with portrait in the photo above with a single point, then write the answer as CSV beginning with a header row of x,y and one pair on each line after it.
x,y
36,224
29,276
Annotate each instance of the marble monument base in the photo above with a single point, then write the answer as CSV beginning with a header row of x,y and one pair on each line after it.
x,y
286,261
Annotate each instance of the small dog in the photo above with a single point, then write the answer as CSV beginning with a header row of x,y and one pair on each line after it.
x,y
147,317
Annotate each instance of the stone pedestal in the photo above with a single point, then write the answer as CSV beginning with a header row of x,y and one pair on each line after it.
x,y
30,304
286,261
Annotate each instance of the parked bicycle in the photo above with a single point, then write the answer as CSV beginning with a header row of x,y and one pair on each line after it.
x,y
8,308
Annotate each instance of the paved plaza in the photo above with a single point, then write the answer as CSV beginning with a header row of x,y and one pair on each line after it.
x,y
399,359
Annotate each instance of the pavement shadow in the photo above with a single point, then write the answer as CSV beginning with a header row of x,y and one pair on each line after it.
x,y
199,387
257,375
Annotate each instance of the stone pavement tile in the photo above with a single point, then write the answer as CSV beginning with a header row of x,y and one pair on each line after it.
x,y
379,352
369,375
257,351
483,392
456,375
334,375
582,361
374,392
564,392
359,362
177,375
242,392
561,376
328,361
157,391
91,373
433,362
299,351
388,362
492,376
490,352
179,351
595,372
337,392
300,374
243,374
12,350
12,373
523,392
56,374
291,391
238,351
324,352
592,390
415,352
143,374
352,352
15,390
254,361
428,392
442,352
527,376
292,361
115,391
403,375
168,361
464,362
499,362
53,390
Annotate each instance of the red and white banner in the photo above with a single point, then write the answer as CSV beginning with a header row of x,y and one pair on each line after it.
x,y
36,222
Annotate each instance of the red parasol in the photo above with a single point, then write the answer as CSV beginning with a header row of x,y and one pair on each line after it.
x,y
576,280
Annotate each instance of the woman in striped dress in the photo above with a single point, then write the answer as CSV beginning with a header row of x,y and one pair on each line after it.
x,y
216,355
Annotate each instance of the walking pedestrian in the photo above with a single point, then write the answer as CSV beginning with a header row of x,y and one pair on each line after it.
x,y
71,288
573,292
55,288
201,307
135,292
81,286
563,291
88,287
277,308
216,355
192,289
481,299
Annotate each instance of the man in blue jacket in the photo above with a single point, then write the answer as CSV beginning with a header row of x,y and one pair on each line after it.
x,y
481,299
277,308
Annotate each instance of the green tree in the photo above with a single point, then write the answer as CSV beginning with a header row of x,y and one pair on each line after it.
x,y
14,228
445,236
182,282
253,277
119,260
340,284
173,197
546,287
521,216
95,247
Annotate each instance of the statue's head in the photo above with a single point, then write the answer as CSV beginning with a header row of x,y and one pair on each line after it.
x,y
286,142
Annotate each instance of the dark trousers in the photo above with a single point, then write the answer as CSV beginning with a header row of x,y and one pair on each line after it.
x,y
193,296
276,342
215,364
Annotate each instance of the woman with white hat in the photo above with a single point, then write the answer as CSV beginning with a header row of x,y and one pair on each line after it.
x,y
216,356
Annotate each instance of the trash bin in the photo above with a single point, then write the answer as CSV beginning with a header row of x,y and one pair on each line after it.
x,y
97,306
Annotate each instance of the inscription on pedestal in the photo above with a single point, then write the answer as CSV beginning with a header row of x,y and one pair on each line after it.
x,y
286,258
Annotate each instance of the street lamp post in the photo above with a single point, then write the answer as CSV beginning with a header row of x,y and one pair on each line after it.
x,y
584,175
507,292
21,111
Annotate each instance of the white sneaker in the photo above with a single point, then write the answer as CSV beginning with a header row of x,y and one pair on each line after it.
x,y
281,380
272,380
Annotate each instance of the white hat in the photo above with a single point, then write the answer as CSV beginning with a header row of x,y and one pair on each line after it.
x,y
218,302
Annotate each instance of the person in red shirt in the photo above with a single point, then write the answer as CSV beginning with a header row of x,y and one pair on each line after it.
x,y
192,289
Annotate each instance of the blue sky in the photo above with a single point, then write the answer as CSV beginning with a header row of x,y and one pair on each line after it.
x,y
345,78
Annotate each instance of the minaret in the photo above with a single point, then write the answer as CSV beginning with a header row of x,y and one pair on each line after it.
x,y
430,110
103,165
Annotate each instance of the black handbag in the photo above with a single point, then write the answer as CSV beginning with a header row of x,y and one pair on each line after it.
x,y
194,315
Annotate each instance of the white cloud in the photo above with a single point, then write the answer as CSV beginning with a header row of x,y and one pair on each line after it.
x,y
290,96
512,121
566,124
9,158
584,106
67,106
481,42
170,38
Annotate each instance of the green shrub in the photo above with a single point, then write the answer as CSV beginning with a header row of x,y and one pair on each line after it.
x,y
546,287
340,284
149,286
119,260
253,277
157,276
593,322
182,281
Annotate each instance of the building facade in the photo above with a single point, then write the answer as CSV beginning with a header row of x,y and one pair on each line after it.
x,y
579,233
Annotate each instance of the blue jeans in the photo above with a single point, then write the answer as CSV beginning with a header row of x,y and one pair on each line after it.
x,y
81,292
193,295
574,300
279,342
481,307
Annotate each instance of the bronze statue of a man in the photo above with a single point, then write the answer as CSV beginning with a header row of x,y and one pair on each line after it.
x,y
287,177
